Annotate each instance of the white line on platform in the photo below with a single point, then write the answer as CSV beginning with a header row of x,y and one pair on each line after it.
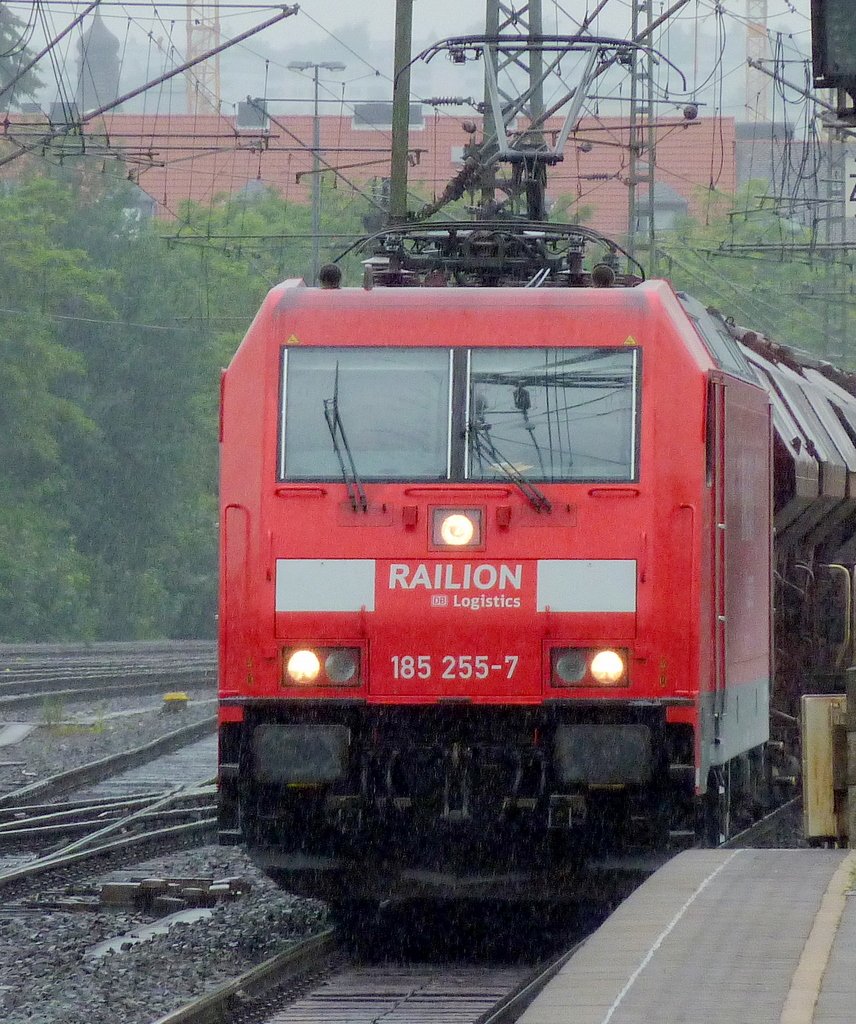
x,y
664,934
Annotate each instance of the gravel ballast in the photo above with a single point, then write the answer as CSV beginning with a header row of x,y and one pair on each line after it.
x,y
47,972
53,748
48,977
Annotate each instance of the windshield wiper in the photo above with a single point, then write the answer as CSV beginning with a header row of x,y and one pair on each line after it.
x,y
353,484
484,445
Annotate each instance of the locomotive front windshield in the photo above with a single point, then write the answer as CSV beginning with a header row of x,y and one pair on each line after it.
x,y
553,414
392,405
545,414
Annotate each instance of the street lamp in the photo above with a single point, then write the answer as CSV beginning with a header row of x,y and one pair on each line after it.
x,y
305,65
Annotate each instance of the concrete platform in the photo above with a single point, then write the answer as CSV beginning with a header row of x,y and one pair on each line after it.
x,y
720,937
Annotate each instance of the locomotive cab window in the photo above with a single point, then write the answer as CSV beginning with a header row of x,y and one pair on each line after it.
x,y
387,409
553,413
724,349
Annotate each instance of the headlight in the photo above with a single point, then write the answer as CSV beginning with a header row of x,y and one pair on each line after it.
x,y
457,530
322,666
570,665
303,666
341,666
456,527
584,666
607,667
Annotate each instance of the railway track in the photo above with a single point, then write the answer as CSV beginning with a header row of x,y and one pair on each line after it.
x,y
114,851
69,683
102,650
277,992
124,841
124,806
769,830
115,767
56,692
315,982
52,827
31,677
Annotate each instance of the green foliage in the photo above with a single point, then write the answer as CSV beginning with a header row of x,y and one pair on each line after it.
x,y
56,721
42,574
113,333
53,712
757,267
569,210
44,581
15,54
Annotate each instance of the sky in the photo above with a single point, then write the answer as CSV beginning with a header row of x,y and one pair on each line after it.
x,y
361,36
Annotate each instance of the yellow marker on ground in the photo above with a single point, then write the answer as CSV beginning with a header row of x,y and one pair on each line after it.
x,y
175,701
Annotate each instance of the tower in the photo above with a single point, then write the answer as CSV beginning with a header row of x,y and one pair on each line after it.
x,y
98,57
203,34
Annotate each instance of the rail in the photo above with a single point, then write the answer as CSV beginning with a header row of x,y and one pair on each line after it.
x,y
285,968
97,771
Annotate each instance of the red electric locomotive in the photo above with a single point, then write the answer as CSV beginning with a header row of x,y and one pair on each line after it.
x,y
497,577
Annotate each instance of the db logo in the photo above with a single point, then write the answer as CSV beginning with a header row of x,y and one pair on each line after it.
x,y
439,600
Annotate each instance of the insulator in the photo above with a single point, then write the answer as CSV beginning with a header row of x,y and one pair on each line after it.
x,y
446,101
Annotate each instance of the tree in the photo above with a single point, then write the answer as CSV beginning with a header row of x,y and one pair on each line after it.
x,y
43,577
14,55
114,332
744,261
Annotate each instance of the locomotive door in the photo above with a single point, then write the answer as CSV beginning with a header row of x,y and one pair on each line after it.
x,y
716,452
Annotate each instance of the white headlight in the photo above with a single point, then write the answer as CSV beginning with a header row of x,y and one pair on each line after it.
x,y
303,666
457,529
607,667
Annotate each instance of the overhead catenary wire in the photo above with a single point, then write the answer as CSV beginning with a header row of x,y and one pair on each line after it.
x,y
19,46
51,45
170,50
285,12
707,9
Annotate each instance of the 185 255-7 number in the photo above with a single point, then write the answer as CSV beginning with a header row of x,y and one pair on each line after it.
x,y
452,666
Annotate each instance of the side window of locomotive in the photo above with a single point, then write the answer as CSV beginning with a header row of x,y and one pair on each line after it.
x,y
553,414
724,349
393,413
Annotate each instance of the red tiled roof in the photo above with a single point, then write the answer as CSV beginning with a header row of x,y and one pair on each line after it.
x,y
185,157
